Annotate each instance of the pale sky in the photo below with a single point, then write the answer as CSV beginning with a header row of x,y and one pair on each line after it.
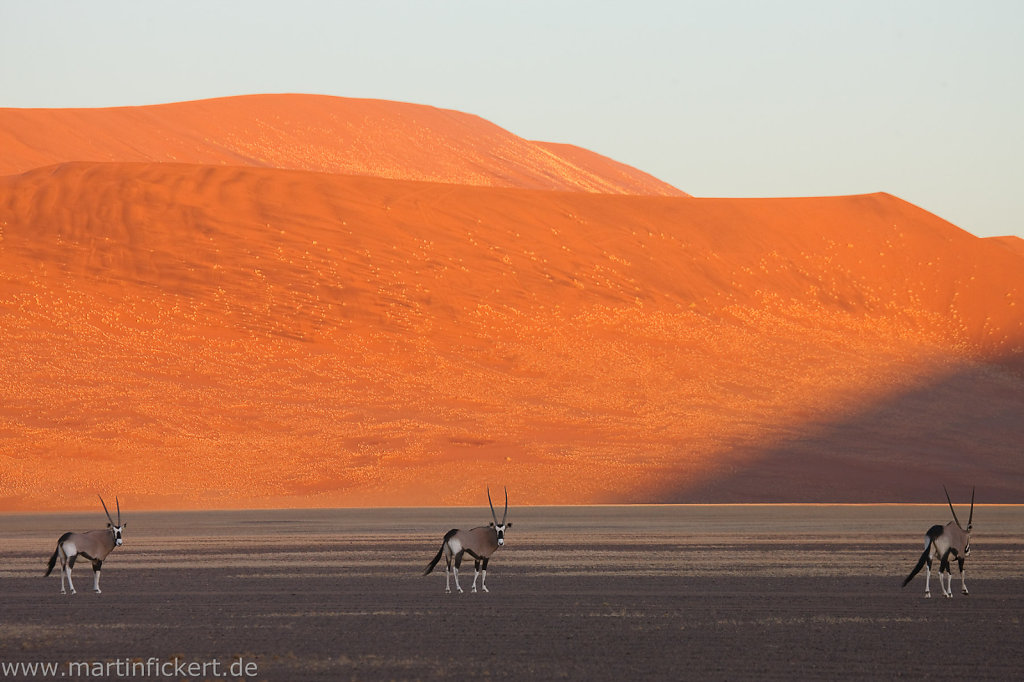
x,y
921,99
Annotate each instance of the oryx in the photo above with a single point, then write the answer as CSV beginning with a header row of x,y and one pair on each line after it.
x,y
480,543
94,545
940,543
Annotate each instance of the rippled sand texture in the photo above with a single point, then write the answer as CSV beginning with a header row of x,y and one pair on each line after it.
x,y
202,306
586,593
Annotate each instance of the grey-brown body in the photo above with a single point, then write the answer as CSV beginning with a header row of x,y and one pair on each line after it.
x,y
94,545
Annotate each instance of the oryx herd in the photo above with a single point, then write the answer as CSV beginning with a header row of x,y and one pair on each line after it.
x,y
944,543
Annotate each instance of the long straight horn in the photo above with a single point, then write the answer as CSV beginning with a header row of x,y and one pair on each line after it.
x,y
105,509
505,515
493,515
951,508
118,510
971,517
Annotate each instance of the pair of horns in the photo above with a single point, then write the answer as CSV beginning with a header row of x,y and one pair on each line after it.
x,y
970,518
108,513
493,515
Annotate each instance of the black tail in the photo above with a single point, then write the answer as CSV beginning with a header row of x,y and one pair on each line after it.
x,y
440,552
920,564
933,533
53,559
53,562
430,566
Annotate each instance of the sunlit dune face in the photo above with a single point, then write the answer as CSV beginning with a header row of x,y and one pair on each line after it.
x,y
203,336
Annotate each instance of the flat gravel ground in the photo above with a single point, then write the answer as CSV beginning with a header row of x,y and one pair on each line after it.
x,y
583,593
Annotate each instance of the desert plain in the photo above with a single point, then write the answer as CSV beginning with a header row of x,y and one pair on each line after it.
x,y
582,593
343,319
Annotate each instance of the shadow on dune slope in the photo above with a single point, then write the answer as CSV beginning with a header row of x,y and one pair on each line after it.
x,y
962,428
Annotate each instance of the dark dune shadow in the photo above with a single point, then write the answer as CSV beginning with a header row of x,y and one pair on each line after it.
x,y
960,429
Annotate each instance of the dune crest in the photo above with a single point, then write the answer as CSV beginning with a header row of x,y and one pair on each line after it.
x,y
316,133
1013,243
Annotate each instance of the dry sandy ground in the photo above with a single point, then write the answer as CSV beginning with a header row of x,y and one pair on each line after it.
x,y
583,593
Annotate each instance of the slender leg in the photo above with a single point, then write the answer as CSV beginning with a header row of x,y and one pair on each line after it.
x,y
447,574
63,572
476,573
944,568
928,580
70,565
96,566
483,579
455,571
963,579
946,564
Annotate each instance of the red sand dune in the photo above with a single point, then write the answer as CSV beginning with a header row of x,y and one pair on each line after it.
x,y
316,133
194,335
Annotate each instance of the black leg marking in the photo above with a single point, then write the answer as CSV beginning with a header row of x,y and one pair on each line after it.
x,y
97,565
71,560
485,563
944,565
